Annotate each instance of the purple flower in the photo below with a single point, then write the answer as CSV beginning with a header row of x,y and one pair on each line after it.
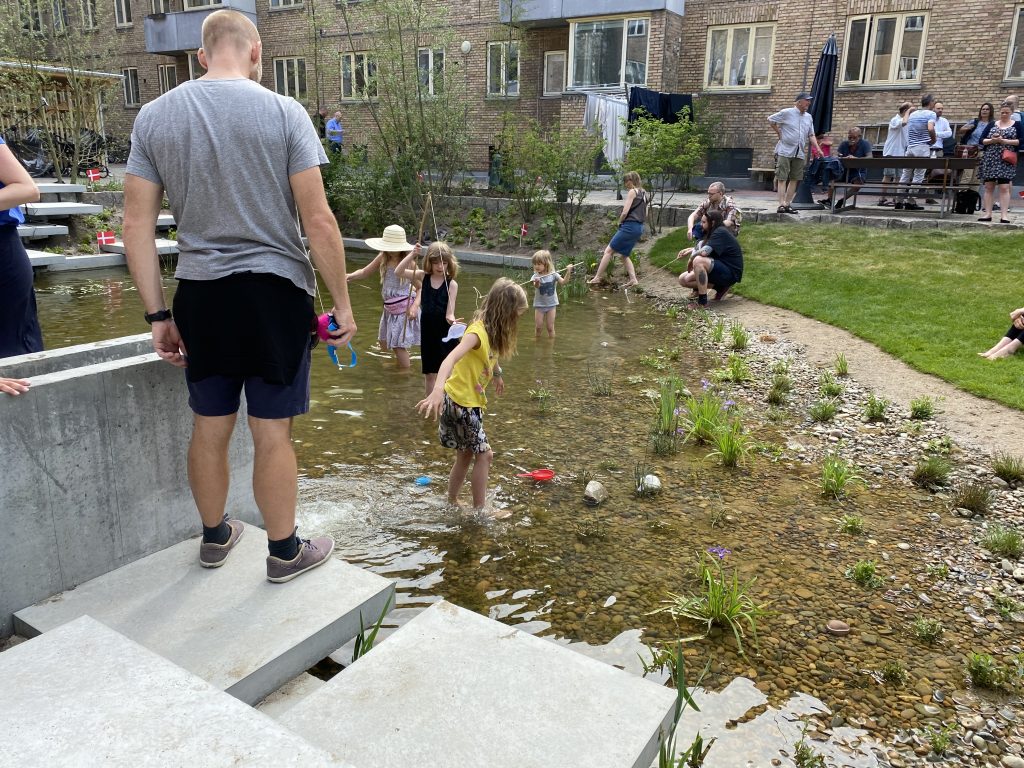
x,y
704,383
719,552
728,404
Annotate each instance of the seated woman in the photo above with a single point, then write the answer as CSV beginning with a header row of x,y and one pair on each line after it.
x,y
1012,341
716,262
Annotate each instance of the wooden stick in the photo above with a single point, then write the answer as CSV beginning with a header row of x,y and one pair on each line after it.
x,y
577,264
419,239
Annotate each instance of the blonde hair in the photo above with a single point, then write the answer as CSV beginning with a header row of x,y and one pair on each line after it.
x,y
633,178
443,252
544,257
391,259
500,312
226,27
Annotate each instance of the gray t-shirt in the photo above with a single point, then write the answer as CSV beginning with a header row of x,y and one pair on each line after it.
x,y
223,151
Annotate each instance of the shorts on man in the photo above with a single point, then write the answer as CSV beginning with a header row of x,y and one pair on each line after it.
x,y
789,168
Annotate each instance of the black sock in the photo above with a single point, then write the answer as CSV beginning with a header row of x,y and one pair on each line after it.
x,y
284,549
702,299
219,534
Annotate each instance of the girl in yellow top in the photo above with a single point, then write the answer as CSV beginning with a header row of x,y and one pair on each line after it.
x,y
459,397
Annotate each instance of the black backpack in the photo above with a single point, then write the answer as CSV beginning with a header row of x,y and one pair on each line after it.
x,y
966,201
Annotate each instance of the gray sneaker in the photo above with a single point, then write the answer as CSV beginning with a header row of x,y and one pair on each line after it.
x,y
214,555
312,552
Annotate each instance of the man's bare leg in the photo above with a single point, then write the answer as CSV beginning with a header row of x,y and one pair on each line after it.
x,y
208,469
274,475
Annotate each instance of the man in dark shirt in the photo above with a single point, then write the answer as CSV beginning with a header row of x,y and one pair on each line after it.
x,y
854,146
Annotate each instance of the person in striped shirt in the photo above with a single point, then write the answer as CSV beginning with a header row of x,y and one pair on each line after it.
x,y
920,137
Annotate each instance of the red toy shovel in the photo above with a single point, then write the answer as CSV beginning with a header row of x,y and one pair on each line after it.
x,y
540,475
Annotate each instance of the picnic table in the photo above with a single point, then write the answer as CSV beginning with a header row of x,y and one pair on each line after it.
x,y
951,168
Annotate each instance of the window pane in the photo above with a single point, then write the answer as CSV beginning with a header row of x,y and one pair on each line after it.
x,y
300,67
346,77
881,49
761,65
423,67
279,78
597,54
855,50
738,57
554,73
1015,65
512,70
494,68
636,53
437,86
910,48
716,57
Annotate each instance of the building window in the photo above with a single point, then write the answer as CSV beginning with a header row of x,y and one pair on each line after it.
x,y
290,77
358,76
285,3
193,4
122,13
1015,56
168,77
554,72
608,53
739,57
884,49
160,6
131,86
503,69
430,63
195,69
88,11
31,16
60,16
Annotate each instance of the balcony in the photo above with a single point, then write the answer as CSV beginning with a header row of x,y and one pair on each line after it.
x,y
555,13
173,33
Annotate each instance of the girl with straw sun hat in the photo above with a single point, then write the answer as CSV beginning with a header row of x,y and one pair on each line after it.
x,y
399,322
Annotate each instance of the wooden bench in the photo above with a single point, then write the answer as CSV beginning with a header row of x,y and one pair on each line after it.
x,y
764,176
945,192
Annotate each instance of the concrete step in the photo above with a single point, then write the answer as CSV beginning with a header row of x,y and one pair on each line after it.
x,y
85,695
165,221
228,625
452,689
41,231
53,188
44,210
163,247
89,261
44,259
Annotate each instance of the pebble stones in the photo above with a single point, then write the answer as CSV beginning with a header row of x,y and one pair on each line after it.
x,y
1018,575
837,627
594,493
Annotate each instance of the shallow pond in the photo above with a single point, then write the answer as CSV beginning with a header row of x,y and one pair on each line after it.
x,y
556,566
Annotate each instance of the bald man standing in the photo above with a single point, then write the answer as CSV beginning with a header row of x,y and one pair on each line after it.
x,y
243,309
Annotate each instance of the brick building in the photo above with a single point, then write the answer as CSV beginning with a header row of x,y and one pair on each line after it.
x,y
748,56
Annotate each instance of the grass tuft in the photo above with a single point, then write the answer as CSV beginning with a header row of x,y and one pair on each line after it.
x,y
865,573
931,471
1003,541
874,409
836,475
1009,468
841,365
974,497
823,410
922,408
927,630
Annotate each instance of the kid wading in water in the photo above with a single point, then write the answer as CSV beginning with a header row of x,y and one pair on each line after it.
x,y
459,398
545,300
399,322
436,298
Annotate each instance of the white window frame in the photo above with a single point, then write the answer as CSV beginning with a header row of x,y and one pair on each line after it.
x,y
160,6
748,73
628,23
1015,43
31,16
359,61
565,63
282,86
432,69
198,5
867,54
130,87
278,5
87,10
167,73
123,13
195,69
503,47
59,16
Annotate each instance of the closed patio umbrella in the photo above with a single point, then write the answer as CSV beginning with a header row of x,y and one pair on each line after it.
x,y
823,91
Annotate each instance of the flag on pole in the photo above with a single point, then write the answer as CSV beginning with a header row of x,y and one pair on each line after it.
x,y
105,238
522,231
93,174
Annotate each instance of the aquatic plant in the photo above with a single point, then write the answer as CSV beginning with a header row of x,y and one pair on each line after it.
x,y
937,570
600,386
590,528
664,444
931,471
740,336
541,393
640,488
927,630
654,361
668,754
972,496
635,379
584,476
922,408
865,573
804,755
1009,468
1003,541
841,365
737,370
364,642
875,407
777,396
1006,605
732,444
852,524
985,671
780,367
836,475
702,415
828,386
941,738
775,415
718,330
672,312
668,405
823,410
723,601
894,673
942,446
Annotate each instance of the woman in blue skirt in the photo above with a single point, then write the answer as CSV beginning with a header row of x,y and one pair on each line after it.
x,y
631,226
19,326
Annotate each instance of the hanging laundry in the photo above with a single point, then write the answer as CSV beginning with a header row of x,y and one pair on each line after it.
x,y
607,113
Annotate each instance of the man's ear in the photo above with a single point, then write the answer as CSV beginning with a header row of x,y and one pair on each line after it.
x,y
256,53
201,55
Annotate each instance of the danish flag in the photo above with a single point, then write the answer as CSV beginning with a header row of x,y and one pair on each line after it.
x,y
522,231
105,238
93,174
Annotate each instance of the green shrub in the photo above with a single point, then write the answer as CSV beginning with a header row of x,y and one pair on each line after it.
x,y
922,408
874,409
985,671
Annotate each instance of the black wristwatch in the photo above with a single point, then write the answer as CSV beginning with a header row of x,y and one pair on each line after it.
x,y
156,317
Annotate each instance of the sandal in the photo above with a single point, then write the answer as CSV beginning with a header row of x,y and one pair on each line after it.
x,y
791,209
985,218
781,209
1004,221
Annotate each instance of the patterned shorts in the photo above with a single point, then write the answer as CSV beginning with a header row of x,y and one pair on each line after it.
x,y
462,428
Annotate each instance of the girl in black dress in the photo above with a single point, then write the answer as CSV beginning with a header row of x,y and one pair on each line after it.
x,y
436,300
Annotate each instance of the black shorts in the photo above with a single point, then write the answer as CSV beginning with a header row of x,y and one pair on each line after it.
x,y
250,331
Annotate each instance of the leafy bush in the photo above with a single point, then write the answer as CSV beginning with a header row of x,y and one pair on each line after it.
x,y
865,573
927,630
852,524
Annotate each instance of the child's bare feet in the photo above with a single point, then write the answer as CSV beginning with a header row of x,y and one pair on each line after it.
x,y
630,283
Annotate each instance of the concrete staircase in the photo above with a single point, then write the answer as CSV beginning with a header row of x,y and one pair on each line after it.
x,y
162,655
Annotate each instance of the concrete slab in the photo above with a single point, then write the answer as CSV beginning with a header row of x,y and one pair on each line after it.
x,y
85,695
446,689
43,258
43,210
228,625
41,231
91,261
165,221
53,188
163,247
290,694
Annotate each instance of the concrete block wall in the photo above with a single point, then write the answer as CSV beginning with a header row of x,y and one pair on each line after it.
x,y
93,471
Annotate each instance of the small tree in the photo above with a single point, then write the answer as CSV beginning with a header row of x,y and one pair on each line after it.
x,y
523,165
569,162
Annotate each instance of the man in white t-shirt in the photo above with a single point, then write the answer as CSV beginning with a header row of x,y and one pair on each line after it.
x,y
895,146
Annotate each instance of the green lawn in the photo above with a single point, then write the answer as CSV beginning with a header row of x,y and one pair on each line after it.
x,y
931,298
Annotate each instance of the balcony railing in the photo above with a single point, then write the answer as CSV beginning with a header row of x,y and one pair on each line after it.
x,y
171,33
549,13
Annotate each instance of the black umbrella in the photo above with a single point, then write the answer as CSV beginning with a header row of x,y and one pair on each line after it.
x,y
822,91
